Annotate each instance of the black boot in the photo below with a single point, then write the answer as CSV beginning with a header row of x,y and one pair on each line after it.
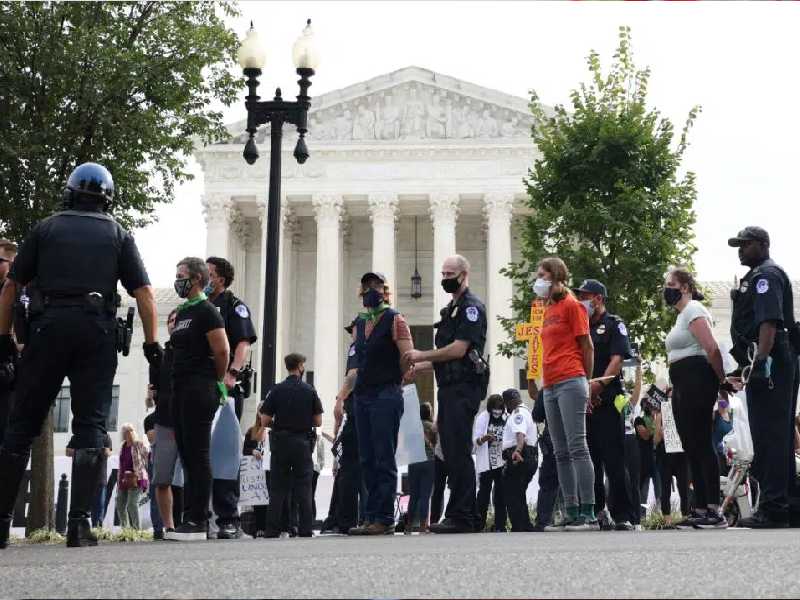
x,y
12,469
86,465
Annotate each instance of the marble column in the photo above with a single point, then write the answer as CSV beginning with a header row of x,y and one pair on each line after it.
x,y
383,214
217,213
444,214
327,303
497,211
236,254
285,287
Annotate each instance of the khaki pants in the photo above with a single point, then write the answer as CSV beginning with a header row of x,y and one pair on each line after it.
x,y
128,507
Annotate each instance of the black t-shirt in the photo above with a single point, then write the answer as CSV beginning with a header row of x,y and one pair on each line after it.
x,y
610,338
106,442
76,252
236,318
193,356
292,404
164,389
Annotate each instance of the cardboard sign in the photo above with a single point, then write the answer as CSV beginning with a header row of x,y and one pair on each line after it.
x,y
531,332
252,482
672,441
654,397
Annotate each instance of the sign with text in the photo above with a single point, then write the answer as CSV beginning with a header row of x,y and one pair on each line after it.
x,y
531,332
252,482
672,441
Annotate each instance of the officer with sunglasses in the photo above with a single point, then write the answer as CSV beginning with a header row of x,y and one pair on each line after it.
x,y
766,341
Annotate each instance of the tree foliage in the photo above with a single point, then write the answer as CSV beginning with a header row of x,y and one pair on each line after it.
x,y
126,84
607,197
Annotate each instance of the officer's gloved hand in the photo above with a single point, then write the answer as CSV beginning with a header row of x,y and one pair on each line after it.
x,y
8,350
153,353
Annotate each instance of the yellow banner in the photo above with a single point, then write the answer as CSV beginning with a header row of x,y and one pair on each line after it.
x,y
531,332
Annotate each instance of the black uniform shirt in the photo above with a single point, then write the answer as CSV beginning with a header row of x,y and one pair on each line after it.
x,y
292,404
764,294
236,317
193,355
610,338
463,320
149,422
76,252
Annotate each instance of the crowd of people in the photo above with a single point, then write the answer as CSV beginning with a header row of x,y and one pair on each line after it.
x,y
596,443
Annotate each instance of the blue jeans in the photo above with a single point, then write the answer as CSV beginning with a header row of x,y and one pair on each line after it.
x,y
378,415
155,515
420,482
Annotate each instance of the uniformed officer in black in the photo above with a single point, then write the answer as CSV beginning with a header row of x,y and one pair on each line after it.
x,y
8,250
764,336
521,459
604,425
292,409
75,257
460,333
241,335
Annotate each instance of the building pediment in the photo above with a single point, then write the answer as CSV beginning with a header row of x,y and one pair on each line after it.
x,y
411,106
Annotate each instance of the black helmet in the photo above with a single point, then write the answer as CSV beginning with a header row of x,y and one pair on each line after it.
x,y
91,181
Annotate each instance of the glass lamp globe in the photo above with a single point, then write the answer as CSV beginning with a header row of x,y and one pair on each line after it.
x,y
304,53
252,54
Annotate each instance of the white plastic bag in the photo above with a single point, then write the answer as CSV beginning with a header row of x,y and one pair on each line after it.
x,y
739,439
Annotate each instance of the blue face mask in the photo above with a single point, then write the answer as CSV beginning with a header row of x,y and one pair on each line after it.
x,y
589,307
372,299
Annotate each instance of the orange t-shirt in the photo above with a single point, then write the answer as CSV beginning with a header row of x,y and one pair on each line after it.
x,y
564,321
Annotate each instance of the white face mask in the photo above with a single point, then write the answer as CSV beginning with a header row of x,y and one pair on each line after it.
x,y
541,287
589,307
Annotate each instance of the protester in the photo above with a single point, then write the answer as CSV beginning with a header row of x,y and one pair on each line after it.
x,y
291,410
548,473
167,481
645,432
132,478
382,340
723,425
633,463
568,361
488,436
150,433
8,251
255,440
199,367
697,376
519,452
669,465
420,477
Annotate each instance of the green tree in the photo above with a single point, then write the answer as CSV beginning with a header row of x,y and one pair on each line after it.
x,y
608,198
131,85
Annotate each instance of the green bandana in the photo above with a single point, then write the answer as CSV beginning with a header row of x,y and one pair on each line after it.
x,y
223,393
373,314
196,300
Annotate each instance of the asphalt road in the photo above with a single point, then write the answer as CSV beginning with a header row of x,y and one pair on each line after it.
x,y
722,564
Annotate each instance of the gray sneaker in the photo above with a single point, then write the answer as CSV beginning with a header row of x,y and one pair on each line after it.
x,y
555,528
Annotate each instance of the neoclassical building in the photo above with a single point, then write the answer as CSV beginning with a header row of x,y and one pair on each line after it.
x,y
405,169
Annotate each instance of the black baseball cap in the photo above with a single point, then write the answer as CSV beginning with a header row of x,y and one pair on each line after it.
x,y
592,286
511,394
749,234
373,275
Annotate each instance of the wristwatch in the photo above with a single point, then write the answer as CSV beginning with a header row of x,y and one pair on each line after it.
x,y
234,372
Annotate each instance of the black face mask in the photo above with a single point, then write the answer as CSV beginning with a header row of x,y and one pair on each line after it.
x,y
672,296
451,286
372,299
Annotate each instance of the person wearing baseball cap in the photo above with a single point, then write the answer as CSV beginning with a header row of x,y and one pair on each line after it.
x,y
605,433
765,344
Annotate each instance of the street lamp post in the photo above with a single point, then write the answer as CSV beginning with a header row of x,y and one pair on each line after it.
x,y
276,112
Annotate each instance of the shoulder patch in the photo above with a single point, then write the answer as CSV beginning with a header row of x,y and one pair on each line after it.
x,y
472,313
601,329
622,329
242,311
518,419
762,286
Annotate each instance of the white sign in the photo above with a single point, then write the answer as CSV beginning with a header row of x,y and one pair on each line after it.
x,y
252,483
672,441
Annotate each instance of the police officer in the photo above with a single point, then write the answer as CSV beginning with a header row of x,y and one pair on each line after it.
x,y
522,459
605,428
76,258
462,378
241,335
292,409
8,250
765,338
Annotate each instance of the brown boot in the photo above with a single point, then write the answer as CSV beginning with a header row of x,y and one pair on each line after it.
x,y
380,529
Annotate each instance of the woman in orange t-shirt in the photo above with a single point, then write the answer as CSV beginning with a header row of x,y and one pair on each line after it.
x,y
568,360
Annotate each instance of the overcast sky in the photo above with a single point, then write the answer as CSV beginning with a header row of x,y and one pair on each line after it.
x,y
738,60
